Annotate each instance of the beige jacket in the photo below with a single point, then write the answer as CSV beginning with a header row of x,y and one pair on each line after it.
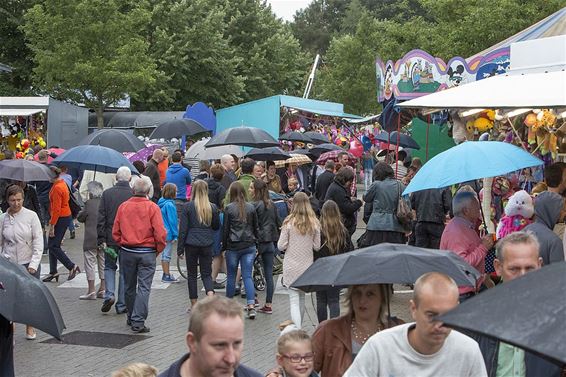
x,y
299,251
21,238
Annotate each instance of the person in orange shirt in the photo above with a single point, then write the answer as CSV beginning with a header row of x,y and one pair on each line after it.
x,y
163,166
60,212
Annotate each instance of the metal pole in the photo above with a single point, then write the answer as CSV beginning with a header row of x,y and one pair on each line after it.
x,y
311,77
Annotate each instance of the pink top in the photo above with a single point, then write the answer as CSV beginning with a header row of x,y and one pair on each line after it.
x,y
461,238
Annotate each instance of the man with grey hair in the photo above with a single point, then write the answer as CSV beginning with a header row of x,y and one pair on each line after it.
x,y
140,232
461,237
228,163
152,171
424,347
111,199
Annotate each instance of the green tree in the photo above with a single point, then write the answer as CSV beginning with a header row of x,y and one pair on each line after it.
x,y
89,51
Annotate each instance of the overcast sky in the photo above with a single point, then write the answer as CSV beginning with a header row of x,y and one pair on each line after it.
x,y
286,8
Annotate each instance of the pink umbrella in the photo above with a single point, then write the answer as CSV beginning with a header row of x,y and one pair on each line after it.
x,y
333,155
56,151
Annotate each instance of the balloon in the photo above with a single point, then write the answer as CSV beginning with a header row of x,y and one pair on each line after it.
x,y
42,143
356,148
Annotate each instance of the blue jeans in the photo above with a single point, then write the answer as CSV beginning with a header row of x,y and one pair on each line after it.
x,y
328,298
139,269
54,245
244,257
166,254
267,252
110,268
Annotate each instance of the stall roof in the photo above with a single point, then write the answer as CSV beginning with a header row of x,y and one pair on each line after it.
x,y
370,118
316,107
19,112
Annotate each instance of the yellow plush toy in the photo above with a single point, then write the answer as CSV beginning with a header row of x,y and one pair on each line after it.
x,y
482,124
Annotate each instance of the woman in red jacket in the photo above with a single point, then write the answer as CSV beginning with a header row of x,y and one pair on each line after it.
x,y
60,219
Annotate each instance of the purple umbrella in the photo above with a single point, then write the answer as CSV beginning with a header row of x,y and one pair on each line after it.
x,y
144,153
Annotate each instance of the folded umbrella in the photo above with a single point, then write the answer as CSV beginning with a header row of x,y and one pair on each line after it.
x,y
25,171
469,161
119,140
243,136
295,136
268,154
384,264
25,299
94,157
317,138
527,312
176,128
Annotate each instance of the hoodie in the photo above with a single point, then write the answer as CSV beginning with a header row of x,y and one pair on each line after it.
x,y
169,214
216,192
180,177
548,206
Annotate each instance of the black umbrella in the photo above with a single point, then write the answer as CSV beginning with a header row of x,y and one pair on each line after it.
x,y
405,141
25,299
243,136
295,136
323,148
119,140
527,312
268,154
306,152
94,157
317,138
25,171
384,264
176,128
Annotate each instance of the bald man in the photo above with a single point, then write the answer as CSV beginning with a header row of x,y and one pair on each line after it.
x,y
424,347
152,171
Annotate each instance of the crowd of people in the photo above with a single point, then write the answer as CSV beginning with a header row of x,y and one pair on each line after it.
x,y
234,211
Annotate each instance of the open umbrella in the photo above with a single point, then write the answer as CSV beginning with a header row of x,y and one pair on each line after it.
x,y
333,155
323,148
317,138
469,161
198,151
25,171
384,264
25,299
405,141
119,140
52,152
268,154
176,128
243,136
144,153
295,136
527,312
94,157
306,152
296,158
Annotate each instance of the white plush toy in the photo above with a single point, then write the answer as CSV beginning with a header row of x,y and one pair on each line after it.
x,y
518,214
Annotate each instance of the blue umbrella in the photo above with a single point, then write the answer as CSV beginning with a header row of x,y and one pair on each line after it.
x,y
469,161
94,157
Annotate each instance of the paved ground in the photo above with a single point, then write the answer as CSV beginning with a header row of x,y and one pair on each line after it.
x,y
168,322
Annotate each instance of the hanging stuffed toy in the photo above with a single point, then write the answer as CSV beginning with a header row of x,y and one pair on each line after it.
x,y
519,212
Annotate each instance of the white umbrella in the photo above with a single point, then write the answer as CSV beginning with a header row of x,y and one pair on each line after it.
x,y
199,152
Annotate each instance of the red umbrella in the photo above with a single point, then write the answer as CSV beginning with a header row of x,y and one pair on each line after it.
x,y
333,155
56,151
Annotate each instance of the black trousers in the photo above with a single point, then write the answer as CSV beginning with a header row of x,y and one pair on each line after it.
x,y
199,257
428,234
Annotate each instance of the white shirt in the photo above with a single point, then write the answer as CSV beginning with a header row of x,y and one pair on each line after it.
x,y
21,237
389,354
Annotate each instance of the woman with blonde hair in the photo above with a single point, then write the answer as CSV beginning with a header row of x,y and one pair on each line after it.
x,y
300,236
334,239
199,220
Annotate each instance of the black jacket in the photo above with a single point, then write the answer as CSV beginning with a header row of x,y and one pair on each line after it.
x,y
216,192
269,222
432,205
348,207
325,252
194,233
152,172
322,183
31,202
175,370
236,234
111,199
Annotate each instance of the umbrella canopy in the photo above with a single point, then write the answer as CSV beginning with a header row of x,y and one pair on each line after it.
x,y
25,299
119,140
500,92
527,312
384,264
295,136
296,158
52,151
333,155
94,157
268,154
25,171
405,141
144,153
176,128
469,161
317,138
327,147
243,136
306,152
198,151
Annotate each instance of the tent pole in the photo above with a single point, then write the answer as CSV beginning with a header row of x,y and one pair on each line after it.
x,y
427,130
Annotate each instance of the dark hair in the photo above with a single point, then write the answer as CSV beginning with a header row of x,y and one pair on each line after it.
x,y
268,164
341,154
247,166
217,172
177,157
139,165
261,193
180,151
381,171
204,165
553,175
238,195
401,156
329,165
55,171
13,190
344,175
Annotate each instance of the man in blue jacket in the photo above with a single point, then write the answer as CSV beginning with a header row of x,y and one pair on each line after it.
x,y
180,176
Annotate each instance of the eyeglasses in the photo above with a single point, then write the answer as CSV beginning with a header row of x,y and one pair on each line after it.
x,y
296,358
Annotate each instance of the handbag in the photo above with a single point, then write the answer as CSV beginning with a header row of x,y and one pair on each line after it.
x,y
74,204
404,213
